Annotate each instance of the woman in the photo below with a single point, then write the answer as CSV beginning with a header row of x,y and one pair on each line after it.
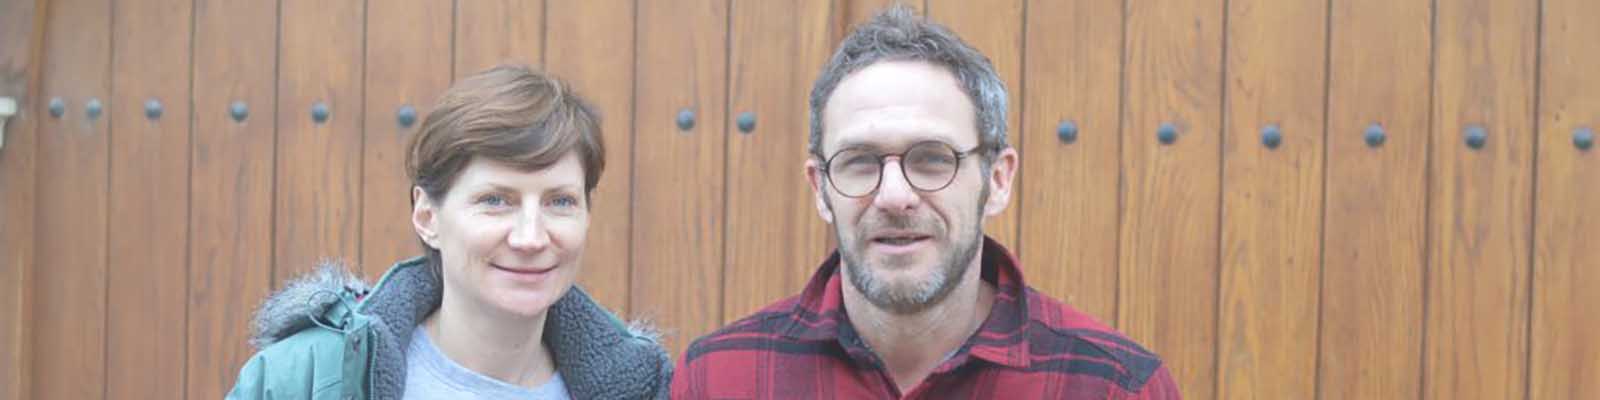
x,y
501,172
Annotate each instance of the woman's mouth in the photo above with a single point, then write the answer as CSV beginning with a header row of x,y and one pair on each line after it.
x,y
523,269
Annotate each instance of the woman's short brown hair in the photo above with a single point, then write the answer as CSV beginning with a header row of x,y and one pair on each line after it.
x,y
510,114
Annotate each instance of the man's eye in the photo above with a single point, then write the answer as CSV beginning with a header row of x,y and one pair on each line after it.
x,y
860,162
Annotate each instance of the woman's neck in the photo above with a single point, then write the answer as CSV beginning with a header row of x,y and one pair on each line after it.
x,y
507,348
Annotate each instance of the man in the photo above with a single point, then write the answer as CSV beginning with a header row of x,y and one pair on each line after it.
x,y
909,156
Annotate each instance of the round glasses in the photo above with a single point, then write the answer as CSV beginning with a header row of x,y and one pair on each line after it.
x,y
927,166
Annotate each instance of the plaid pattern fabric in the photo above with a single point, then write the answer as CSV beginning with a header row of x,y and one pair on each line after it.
x,y
1030,347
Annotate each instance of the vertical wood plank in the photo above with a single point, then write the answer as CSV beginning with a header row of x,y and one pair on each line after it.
x,y
1168,284
494,32
677,236
403,68
148,243
231,196
69,339
1272,199
1375,235
22,22
318,193
995,29
774,236
1565,356
1073,74
590,45
1480,212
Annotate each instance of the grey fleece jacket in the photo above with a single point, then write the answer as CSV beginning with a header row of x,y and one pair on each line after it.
x,y
326,335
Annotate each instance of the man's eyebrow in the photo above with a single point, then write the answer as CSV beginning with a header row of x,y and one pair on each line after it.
x,y
858,145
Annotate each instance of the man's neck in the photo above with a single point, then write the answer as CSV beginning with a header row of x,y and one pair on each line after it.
x,y
508,349
912,345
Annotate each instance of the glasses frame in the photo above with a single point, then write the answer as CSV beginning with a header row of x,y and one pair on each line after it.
x,y
883,161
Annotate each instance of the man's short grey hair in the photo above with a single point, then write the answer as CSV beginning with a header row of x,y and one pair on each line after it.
x,y
898,34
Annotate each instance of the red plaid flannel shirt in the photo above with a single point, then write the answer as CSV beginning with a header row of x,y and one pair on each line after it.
x,y
1030,347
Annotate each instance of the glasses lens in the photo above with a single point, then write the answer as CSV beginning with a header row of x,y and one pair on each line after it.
x,y
930,166
854,172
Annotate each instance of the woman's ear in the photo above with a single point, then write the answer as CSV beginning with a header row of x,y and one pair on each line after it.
x,y
424,217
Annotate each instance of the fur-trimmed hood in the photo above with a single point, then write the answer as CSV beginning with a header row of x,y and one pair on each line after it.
x,y
598,356
291,309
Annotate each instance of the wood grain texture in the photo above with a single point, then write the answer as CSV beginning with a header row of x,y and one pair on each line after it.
x,y
1070,229
148,273
22,23
677,240
1168,256
494,32
1565,354
1375,233
995,29
1480,212
1272,200
403,68
231,186
69,314
775,240
590,45
317,203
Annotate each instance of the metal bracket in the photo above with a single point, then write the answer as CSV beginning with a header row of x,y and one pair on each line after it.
x,y
8,107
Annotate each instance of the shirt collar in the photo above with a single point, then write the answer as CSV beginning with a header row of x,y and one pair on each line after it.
x,y
819,313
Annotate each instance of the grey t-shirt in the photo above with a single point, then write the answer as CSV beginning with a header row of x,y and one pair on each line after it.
x,y
431,375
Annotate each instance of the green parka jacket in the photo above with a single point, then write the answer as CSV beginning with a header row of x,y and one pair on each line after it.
x,y
326,336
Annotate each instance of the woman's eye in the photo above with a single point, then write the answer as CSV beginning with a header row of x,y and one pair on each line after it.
x,y
564,201
493,200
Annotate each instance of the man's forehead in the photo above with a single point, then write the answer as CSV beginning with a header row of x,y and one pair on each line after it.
x,y
892,82
893,104
885,135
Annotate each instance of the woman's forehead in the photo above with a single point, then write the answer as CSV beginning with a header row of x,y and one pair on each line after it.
x,y
484,171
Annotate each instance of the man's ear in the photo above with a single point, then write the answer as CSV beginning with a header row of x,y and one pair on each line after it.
x,y
424,217
1002,173
813,170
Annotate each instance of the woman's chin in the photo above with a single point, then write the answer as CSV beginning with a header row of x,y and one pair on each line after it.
x,y
524,302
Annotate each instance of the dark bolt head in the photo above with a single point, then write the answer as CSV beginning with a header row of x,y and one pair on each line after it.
x,y
1476,136
1583,138
93,109
1375,135
406,116
58,107
238,110
1067,131
1271,136
685,119
152,109
1167,133
747,121
319,112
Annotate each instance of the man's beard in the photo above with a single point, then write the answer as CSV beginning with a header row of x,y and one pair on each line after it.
x,y
925,291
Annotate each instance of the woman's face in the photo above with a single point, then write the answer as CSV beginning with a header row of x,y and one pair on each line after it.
x,y
510,240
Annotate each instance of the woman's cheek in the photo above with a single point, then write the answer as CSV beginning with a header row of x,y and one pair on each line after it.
x,y
569,232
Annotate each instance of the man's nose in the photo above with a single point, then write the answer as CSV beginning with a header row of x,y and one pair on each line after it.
x,y
895,193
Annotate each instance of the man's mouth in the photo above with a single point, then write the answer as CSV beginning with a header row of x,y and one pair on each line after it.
x,y
900,239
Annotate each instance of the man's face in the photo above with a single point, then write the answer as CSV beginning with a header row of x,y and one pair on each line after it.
x,y
904,249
